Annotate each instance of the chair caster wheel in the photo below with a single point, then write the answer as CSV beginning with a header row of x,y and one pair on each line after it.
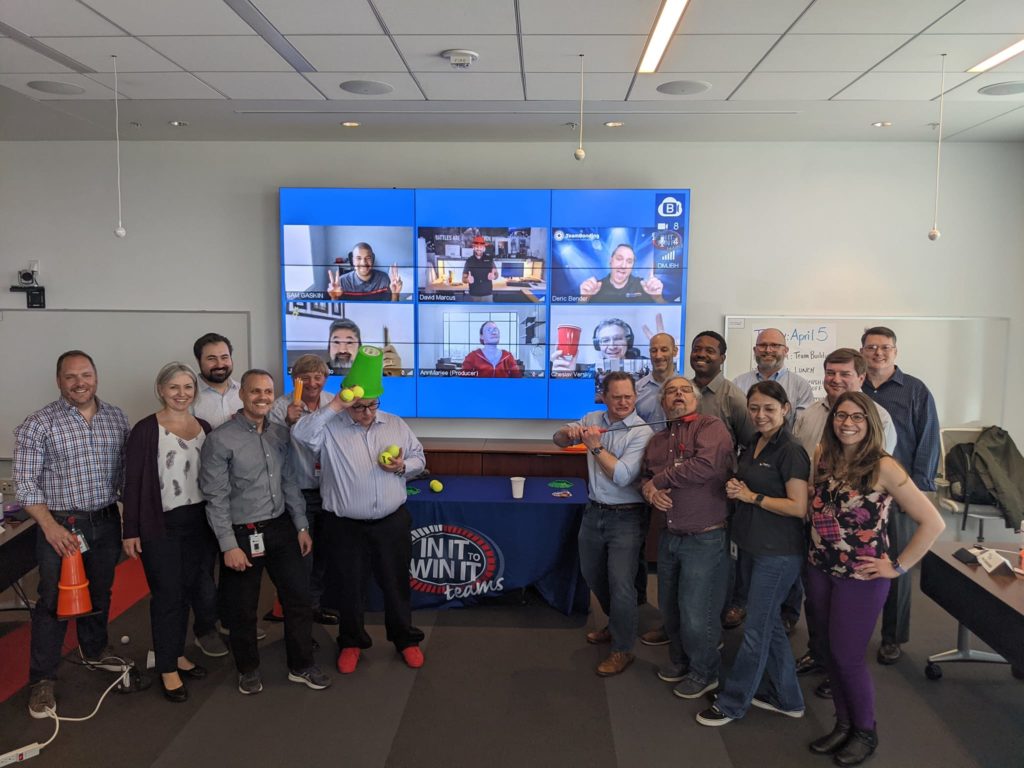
x,y
933,671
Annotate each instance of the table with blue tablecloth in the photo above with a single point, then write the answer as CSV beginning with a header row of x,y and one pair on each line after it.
x,y
473,540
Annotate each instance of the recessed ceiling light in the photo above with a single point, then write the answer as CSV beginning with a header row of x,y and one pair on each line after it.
x,y
366,87
178,123
1009,88
684,87
882,124
55,87
614,124
350,124
134,124
999,58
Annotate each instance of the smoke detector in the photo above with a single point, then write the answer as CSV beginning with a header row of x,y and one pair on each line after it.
x,y
460,58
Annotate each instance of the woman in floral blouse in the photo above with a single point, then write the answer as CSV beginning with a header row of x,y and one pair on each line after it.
x,y
849,563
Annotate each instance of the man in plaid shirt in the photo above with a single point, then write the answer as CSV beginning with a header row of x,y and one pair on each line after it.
x,y
69,471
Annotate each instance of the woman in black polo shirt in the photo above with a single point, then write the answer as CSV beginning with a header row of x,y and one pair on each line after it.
x,y
770,490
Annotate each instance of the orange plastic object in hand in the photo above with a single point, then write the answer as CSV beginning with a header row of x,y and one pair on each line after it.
x,y
73,590
298,391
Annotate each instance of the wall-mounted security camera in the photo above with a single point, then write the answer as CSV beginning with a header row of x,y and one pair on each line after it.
x,y
26,277
28,283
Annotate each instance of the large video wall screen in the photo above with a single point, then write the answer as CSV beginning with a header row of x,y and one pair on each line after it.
x,y
507,304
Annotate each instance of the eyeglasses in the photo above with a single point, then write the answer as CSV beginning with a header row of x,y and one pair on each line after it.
x,y
879,347
678,390
367,407
766,347
842,417
606,340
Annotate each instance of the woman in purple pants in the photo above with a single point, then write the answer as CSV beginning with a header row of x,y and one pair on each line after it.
x,y
849,563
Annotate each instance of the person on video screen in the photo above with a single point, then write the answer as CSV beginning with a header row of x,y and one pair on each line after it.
x,y
343,341
479,272
613,338
363,282
620,284
490,361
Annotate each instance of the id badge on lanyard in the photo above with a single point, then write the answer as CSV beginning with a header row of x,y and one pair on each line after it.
x,y
256,546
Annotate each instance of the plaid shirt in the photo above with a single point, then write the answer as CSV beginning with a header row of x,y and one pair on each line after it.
x,y
67,463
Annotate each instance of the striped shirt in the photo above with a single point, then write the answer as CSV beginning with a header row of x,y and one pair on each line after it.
x,y
352,482
67,463
627,445
913,411
797,389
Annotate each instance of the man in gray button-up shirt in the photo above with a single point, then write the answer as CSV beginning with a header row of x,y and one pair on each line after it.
x,y
249,483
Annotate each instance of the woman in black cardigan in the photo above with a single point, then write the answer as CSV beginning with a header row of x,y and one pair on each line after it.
x,y
165,520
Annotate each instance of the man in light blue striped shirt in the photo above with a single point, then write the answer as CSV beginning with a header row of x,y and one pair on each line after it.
x,y
365,519
616,519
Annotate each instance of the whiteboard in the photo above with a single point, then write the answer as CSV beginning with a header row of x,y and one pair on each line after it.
x,y
129,348
962,360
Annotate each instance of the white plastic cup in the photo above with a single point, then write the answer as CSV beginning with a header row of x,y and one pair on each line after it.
x,y
518,483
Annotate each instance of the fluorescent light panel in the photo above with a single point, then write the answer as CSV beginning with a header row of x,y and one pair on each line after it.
x,y
262,27
664,28
999,58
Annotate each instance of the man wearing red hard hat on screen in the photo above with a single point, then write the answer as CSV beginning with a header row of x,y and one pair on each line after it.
x,y
479,272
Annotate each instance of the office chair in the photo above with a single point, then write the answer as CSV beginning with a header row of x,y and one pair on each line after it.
x,y
948,437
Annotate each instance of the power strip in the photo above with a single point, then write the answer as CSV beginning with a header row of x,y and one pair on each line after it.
x,y
20,755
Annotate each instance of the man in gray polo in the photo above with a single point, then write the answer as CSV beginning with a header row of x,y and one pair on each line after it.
x,y
616,519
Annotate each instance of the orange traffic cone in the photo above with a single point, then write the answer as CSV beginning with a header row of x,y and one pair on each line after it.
x,y
73,590
276,613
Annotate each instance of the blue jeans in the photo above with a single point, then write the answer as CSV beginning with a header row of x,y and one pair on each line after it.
x,y
102,531
691,593
609,542
764,664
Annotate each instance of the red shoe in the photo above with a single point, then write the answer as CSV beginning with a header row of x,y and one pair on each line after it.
x,y
413,656
347,660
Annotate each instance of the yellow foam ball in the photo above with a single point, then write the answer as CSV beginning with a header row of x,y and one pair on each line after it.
x,y
358,391
385,458
435,486
393,450
347,395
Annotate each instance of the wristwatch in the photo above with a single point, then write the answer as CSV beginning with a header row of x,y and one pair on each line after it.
x,y
597,451
897,567
758,499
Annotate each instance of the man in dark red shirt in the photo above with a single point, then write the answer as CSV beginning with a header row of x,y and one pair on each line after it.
x,y
683,478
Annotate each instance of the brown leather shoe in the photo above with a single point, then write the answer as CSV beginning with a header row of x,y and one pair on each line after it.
x,y
599,636
615,663
733,617
654,637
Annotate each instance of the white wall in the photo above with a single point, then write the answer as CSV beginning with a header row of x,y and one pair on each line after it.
x,y
811,228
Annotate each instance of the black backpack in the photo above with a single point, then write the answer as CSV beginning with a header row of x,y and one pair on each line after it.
x,y
965,484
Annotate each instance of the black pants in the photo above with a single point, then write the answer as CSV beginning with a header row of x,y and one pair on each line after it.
x,y
175,566
896,613
387,546
240,593
316,561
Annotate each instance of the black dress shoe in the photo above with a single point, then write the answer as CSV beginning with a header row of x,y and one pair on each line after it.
x,y
177,695
807,665
322,616
196,673
858,748
832,742
824,689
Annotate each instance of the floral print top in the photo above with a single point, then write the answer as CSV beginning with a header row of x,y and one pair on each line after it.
x,y
846,524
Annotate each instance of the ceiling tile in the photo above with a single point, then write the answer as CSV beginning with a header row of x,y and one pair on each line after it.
x,y
15,57
715,53
261,85
969,90
96,52
595,17
899,86
465,86
1008,126
329,83
450,17
722,84
792,86
830,53
602,53
54,17
173,17
565,86
349,53
923,53
93,90
741,17
220,53
498,53
159,85
871,16
320,17
979,16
